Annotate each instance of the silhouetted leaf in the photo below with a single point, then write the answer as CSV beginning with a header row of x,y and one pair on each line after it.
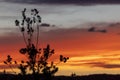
x,y
36,11
5,62
22,61
9,59
52,64
15,62
28,20
22,29
17,22
52,51
61,57
23,51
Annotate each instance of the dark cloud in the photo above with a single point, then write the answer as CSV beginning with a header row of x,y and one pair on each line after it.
x,y
111,66
103,65
103,31
93,29
96,64
67,1
45,25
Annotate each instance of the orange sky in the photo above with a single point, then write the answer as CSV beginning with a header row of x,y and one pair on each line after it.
x,y
89,52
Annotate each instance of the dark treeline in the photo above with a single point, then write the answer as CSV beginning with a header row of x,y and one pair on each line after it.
x,y
89,77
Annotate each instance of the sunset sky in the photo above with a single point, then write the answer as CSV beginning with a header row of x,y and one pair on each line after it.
x,y
90,52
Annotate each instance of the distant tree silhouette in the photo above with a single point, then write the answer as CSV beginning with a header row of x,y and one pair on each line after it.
x,y
37,58
73,75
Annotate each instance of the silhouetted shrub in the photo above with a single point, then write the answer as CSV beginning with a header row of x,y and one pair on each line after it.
x,y
37,58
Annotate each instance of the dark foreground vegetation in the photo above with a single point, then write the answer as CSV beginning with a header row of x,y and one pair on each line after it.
x,y
89,77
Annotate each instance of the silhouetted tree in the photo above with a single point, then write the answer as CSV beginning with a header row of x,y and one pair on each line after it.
x,y
37,58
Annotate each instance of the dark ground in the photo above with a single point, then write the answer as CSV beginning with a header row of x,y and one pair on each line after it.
x,y
89,77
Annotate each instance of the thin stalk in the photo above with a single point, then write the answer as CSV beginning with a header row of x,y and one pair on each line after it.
x,y
23,36
30,37
37,36
12,69
57,63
